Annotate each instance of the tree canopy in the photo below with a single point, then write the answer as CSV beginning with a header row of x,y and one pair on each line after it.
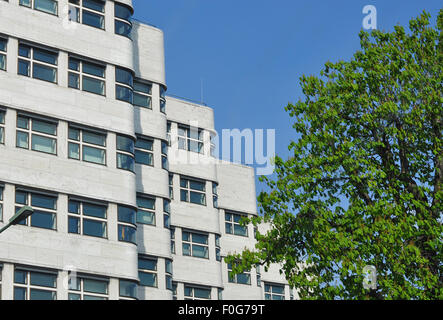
x,y
363,184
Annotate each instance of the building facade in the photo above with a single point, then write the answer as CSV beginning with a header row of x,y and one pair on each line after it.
x,y
129,201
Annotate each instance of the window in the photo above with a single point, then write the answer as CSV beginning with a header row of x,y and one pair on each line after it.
x,y
257,268
195,245
2,126
34,285
128,289
168,270
174,291
1,271
37,63
142,94
146,210
3,48
241,278
215,195
162,99
48,6
173,240
87,218
82,288
197,293
171,186
166,213
190,139
220,294
87,146
233,226
144,151
165,163
1,204
125,83
217,248
168,132
86,76
88,12
274,292
126,227
45,209
39,135
193,191
147,272
123,25
125,158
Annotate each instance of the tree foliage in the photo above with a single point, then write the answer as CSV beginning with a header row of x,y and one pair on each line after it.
x,y
363,185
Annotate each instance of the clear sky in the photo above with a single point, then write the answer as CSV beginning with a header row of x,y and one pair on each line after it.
x,y
250,54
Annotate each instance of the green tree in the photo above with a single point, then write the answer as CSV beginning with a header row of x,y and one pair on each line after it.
x,y
363,185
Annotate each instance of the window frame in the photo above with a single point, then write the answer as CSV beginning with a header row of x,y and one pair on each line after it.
x,y
121,225
191,244
233,223
151,211
31,61
122,152
83,293
269,295
31,132
28,202
82,8
122,20
82,74
32,6
81,216
184,140
4,53
29,287
190,190
152,272
144,151
192,288
233,278
2,126
141,93
82,143
119,84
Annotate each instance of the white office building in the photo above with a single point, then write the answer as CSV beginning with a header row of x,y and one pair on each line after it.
x,y
129,202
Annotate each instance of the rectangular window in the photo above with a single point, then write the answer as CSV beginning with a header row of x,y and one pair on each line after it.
x,y
36,134
165,163
84,288
166,213
125,154
144,151
86,76
172,240
128,289
126,227
87,146
1,204
168,271
88,12
87,218
171,186
37,63
193,191
233,226
215,195
274,292
146,210
241,278
45,209
174,290
190,139
195,244
162,99
142,94
168,132
197,293
257,268
217,248
147,272
125,83
34,285
47,6
3,48
2,126
123,25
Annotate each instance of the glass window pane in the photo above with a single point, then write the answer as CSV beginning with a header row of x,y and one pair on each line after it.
x,y
145,217
21,197
94,138
126,214
92,19
42,295
199,238
125,144
125,162
186,249
123,28
42,72
93,85
96,5
74,206
93,298
122,12
244,278
73,296
228,227
147,264
2,62
145,158
19,293
128,289
186,236
142,101
200,251
44,144
198,198
202,293
74,225
43,279
22,140
196,185
183,195
124,76
95,286
94,228
94,155
240,230
43,201
142,87
49,6
45,56
44,127
3,43
127,234
144,144
94,210
93,69
148,279
44,220
22,122
20,276
74,64
24,51
73,80
278,289
23,68
148,203
124,94
73,151
74,134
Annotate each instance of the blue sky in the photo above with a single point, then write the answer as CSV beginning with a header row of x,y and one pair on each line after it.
x,y
251,54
